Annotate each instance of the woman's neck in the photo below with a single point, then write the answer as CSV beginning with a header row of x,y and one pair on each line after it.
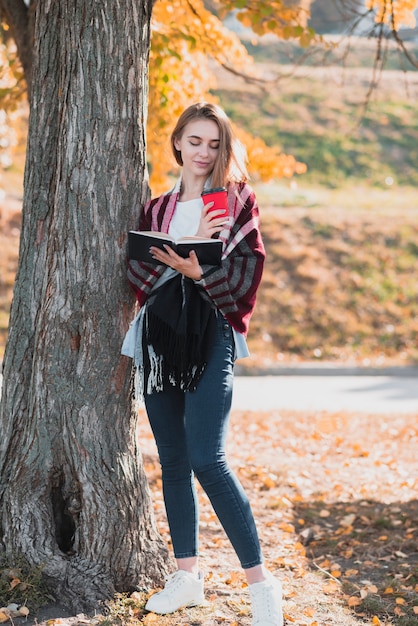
x,y
191,189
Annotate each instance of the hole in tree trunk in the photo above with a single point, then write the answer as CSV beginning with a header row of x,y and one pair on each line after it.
x,y
64,521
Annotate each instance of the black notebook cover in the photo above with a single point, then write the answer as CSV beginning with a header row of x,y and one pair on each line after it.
x,y
208,251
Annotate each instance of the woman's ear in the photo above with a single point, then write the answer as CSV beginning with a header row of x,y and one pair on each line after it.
x,y
177,144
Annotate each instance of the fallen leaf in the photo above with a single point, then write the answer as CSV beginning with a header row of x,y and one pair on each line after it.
x,y
415,609
309,612
3,617
14,583
24,611
376,620
400,601
307,535
151,618
234,578
330,587
354,601
348,520
351,572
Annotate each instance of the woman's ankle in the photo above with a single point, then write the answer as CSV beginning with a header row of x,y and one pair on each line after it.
x,y
189,564
255,574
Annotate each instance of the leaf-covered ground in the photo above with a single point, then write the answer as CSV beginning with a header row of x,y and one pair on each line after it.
x,y
335,499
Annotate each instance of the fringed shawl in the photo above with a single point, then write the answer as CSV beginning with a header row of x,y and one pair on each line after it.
x,y
179,328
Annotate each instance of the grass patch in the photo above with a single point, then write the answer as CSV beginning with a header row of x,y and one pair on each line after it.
x,y
21,584
337,285
318,114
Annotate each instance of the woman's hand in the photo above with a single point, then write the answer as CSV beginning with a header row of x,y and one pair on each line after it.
x,y
187,266
210,222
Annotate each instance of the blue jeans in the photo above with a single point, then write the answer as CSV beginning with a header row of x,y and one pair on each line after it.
x,y
190,430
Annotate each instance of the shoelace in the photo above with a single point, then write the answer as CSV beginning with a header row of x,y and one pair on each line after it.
x,y
172,582
261,604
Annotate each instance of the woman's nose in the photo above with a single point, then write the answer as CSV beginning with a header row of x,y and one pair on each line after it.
x,y
203,149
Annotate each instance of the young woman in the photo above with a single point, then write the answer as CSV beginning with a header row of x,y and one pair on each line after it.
x,y
192,325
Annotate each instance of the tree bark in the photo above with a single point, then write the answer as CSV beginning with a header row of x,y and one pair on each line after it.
x,y
73,495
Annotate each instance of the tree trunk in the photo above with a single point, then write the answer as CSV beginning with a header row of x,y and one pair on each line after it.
x,y
73,494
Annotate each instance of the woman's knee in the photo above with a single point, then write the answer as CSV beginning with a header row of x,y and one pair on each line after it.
x,y
209,470
174,466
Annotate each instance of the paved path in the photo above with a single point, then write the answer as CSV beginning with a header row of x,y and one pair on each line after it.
x,y
332,390
328,389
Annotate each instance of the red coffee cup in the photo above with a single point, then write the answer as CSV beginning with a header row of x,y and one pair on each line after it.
x,y
219,196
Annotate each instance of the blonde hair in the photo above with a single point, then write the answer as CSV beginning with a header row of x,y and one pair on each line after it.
x,y
230,165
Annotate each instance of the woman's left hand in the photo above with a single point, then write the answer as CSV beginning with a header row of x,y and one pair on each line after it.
x,y
187,266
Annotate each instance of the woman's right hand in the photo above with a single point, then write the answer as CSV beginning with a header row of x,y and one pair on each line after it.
x,y
211,223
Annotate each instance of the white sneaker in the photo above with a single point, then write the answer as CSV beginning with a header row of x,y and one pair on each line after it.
x,y
266,602
182,589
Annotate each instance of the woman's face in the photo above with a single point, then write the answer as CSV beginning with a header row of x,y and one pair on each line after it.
x,y
199,147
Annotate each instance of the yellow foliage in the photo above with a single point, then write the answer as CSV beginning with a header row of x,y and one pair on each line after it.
x,y
12,83
396,13
286,19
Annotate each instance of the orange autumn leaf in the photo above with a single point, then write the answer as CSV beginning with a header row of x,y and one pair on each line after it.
x,y
330,587
376,620
309,612
351,572
415,609
287,528
400,601
151,618
354,601
300,548
234,578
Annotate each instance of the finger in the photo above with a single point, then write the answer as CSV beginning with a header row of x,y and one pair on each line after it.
x,y
193,257
207,207
216,213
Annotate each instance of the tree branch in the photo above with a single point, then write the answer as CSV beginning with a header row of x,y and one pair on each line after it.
x,y
18,17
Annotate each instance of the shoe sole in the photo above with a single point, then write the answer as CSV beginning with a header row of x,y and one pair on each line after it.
x,y
183,606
